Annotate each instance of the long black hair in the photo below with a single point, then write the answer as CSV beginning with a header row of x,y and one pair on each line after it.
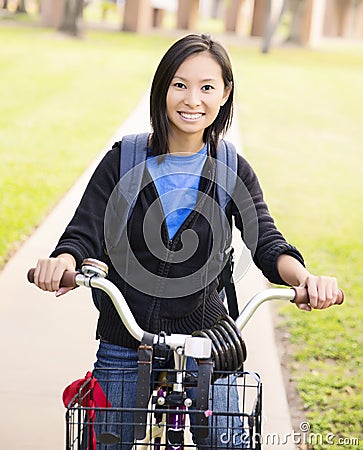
x,y
169,64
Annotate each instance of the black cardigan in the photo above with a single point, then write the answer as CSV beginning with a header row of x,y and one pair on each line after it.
x,y
153,294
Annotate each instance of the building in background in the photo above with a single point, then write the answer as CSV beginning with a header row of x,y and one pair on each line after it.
x,y
308,20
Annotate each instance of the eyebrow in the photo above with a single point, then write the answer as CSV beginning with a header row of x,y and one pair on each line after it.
x,y
206,80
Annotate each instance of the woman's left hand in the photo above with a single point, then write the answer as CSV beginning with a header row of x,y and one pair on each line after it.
x,y
323,292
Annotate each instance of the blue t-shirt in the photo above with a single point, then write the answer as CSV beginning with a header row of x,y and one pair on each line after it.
x,y
177,180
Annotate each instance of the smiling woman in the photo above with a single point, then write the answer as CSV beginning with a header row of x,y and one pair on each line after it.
x,y
179,205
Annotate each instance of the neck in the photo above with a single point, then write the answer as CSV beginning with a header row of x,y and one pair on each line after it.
x,y
185,144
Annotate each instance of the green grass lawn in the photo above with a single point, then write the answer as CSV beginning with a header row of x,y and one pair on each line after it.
x,y
301,117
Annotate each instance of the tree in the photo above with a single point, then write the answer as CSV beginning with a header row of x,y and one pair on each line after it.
x,y
72,13
271,25
21,7
297,10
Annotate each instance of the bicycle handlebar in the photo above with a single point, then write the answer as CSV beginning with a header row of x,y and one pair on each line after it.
x,y
68,279
297,295
301,294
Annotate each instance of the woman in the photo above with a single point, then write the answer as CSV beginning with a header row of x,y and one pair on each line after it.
x,y
191,108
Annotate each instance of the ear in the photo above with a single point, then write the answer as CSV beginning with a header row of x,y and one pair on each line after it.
x,y
227,91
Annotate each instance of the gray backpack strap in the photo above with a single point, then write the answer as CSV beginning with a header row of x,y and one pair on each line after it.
x,y
226,171
122,201
132,163
226,178
133,153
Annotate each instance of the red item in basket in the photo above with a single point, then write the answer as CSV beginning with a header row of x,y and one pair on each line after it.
x,y
92,397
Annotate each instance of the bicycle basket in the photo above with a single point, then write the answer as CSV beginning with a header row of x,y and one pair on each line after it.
x,y
168,421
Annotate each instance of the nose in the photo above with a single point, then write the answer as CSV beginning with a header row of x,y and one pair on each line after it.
x,y
192,98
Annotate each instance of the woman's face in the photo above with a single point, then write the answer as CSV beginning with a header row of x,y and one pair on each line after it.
x,y
195,95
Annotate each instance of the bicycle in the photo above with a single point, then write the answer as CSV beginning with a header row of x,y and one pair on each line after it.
x,y
165,412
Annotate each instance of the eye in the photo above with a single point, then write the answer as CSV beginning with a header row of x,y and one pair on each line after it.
x,y
179,85
207,87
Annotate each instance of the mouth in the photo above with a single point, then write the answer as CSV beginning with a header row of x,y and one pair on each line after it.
x,y
190,116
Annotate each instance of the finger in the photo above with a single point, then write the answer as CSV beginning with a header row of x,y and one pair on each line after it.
x,y
328,295
332,291
304,307
48,277
335,296
313,294
335,292
321,294
41,271
36,274
58,272
63,290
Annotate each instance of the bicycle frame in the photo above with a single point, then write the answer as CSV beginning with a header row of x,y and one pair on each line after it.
x,y
182,345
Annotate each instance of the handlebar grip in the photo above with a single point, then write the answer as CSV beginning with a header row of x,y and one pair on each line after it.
x,y
302,296
68,279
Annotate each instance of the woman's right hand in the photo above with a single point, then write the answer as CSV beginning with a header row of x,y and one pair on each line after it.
x,y
49,271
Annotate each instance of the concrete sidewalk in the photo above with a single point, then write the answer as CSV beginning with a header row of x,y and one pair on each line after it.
x,y
45,343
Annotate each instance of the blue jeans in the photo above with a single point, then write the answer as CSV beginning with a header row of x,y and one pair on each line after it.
x,y
226,431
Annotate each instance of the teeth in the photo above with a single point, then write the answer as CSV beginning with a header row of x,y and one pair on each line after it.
x,y
191,116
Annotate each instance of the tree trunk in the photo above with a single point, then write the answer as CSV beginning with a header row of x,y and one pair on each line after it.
x,y
72,13
297,9
21,7
271,26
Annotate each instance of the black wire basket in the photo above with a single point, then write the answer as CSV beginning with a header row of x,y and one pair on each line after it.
x,y
94,421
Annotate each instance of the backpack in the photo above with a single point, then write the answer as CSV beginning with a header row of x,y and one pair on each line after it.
x,y
133,155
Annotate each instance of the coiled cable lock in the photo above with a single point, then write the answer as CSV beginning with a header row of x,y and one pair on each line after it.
x,y
228,347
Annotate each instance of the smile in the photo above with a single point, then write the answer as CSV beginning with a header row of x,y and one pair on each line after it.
x,y
191,116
